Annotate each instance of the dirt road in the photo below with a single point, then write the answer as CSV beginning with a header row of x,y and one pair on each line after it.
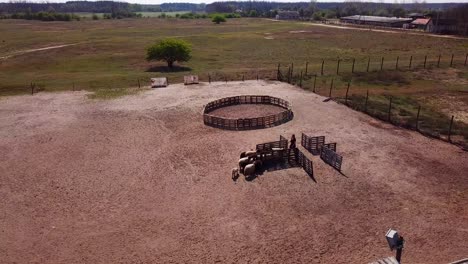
x,y
21,52
141,180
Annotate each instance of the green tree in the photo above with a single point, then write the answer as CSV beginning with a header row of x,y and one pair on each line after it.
x,y
170,50
218,19
253,13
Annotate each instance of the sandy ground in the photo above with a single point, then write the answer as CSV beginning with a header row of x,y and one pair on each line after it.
x,y
247,111
141,180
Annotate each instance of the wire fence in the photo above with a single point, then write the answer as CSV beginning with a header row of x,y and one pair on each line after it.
x,y
397,109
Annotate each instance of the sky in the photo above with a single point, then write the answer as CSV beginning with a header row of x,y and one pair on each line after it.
x,y
210,1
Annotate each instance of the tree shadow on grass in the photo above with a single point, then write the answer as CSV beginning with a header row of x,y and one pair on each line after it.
x,y
167,69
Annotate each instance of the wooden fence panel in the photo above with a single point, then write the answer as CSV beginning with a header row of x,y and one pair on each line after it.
x,y
313,144
247,123
331,158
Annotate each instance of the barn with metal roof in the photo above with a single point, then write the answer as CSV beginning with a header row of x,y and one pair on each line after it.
x,y
376,21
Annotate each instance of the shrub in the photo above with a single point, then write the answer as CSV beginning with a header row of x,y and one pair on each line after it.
x,y
218,19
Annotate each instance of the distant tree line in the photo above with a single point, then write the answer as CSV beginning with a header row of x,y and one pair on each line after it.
x,y
321,10
459,14
42,15
68,7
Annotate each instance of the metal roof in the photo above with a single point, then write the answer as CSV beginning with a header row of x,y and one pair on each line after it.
x,y
421,21
377,19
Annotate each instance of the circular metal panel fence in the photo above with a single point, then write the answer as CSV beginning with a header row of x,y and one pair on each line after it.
x,y
247,123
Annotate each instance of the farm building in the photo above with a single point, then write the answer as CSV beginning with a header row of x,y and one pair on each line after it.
x,y
287,15
376,21
444,26
420,23
415,15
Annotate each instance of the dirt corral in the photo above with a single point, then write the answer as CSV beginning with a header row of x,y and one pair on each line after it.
x,y
141,179
247,111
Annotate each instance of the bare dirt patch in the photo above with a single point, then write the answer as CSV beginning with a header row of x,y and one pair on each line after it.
x,y
247,111
142,179
448,75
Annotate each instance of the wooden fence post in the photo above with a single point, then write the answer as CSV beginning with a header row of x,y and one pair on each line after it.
x,y
300,82
417,118
365,104
450,130
410,61
323,62
243,77
307,66
331,86
209,78
438,61
396,64
389,109
381,64
292,70
451,61
352,68
425,59
338,67
368,64
278,73
315,81
73,86
139,86
32,88
257,76
346,98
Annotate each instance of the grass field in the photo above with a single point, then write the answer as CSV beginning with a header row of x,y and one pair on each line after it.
x,y
144,14
111,54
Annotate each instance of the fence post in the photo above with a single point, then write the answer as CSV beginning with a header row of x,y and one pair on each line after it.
x,y
352,68
410,61
307,66
389,109
425,59
289,74
365,104
243,77
338,67
300,82
32,88
331,86
323,62
315,81
278,73
417,118
139,86
368,64
257,76
209,78
451,61
450,130
396,64
346,98
466,58
292,70
73,86
381,64
438,61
